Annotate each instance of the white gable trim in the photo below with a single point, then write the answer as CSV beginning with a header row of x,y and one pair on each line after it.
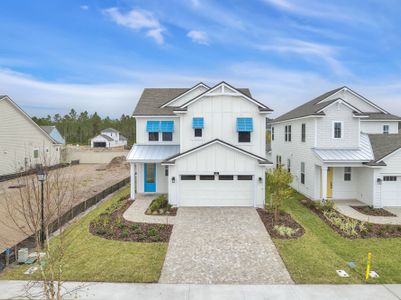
x,y
29,119
171,160
200,84
234,92
357,95
340,101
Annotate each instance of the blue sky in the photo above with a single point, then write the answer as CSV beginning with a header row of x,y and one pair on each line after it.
x,y
99,55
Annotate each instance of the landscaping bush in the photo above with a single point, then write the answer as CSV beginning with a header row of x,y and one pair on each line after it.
x,y
159,203
285,231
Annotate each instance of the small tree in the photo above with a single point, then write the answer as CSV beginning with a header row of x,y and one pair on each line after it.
x,y
278,185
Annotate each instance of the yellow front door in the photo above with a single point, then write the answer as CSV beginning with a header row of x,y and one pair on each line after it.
x,y
329,182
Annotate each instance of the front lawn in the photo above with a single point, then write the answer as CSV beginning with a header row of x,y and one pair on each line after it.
x,y
315,257
92,258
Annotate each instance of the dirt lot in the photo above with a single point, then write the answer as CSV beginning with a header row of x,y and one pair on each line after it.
x,y
89,180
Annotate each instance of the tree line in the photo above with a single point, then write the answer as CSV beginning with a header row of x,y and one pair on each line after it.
x,y
80,128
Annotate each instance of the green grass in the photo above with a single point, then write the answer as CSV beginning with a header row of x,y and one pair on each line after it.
x,y
315,256
91,258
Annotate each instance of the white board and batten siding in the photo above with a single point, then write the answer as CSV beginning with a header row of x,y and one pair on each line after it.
x,y
389,192
225,161
142,136
19,137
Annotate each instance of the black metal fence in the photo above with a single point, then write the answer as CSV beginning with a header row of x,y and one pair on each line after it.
x,y
29,242
32,171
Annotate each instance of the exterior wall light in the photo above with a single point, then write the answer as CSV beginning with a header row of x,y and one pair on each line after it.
x,y
379,181
173,179
216,173
260,180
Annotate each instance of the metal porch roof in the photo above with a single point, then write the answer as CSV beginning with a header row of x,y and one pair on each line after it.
x,y
152,153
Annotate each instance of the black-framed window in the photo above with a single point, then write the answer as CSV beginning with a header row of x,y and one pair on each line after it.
x,y
347,173
390,178
338,130
244,177
272,133
166,171
289,165
244,137
188,177
289,133
278,161
303,132
386,129
153,136
198,132
167,136
226,177
206,177
302,172
286,133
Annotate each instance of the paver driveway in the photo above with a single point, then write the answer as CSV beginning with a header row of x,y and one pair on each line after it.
x,y
222,245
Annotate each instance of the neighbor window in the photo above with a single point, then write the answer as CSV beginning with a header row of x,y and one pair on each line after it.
x,y
303,133
272,133
166,171
347,174
226,177
289,165
287,137
35,153
386,129
278,161
337,130
302,172
390,178
244,129
188,177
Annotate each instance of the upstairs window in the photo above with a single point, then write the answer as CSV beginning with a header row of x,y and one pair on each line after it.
x,y
153,136
167,129
244,129
287,137
386,129
155,127
347,174
303,133
337,130
198,125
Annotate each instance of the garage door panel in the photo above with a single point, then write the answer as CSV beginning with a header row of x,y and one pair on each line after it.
x,y
391,193
216,192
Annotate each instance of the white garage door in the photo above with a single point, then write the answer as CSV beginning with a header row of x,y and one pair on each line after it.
x,y
391,191
222,190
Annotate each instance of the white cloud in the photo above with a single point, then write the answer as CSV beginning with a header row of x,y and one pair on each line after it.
x,y
199,37
195,3
138,19
323,52
84,7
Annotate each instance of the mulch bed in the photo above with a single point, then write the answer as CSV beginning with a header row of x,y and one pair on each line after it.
x,y
112,226
370,211
284,219
373,230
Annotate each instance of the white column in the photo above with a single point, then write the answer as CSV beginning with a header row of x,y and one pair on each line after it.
x,y
324,182
133,181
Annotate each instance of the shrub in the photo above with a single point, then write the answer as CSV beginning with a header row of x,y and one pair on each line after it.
x,y
327,205
152,231
141,237
124,234
285,231
156,238
134,227
158,203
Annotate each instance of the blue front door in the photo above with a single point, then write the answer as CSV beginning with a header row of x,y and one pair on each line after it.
x,y
150,177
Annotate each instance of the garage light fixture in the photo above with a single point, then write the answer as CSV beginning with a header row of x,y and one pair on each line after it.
x,y
260,180
173,179
379,181
216,173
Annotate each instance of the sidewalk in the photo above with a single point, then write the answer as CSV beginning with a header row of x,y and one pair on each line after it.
x,y
99,291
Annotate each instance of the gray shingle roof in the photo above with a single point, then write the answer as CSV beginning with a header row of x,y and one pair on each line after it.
x,y
152,98
380,116
106,137
309,108
109,130
48,129
383,145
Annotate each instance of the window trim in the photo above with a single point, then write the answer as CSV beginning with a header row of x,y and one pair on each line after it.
x,y
166,132
245,177
207,177
33,153
347,173
341,132
272,133
277,159
198,136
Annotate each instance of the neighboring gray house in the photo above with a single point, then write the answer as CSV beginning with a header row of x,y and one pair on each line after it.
x,y
54,133
108,138
340,145
23,144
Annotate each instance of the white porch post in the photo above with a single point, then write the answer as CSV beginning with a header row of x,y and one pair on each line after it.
x,y
324,182
133,165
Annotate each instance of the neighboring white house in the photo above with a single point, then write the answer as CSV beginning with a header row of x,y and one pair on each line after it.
x,y
108,138
202,146
340,145
24,144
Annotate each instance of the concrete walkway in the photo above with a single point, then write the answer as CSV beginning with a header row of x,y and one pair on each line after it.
x,y
222,245
136,212
121,291
345,208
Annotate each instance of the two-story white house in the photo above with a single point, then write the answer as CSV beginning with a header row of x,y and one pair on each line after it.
x,y
340,145
203,146
108,138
